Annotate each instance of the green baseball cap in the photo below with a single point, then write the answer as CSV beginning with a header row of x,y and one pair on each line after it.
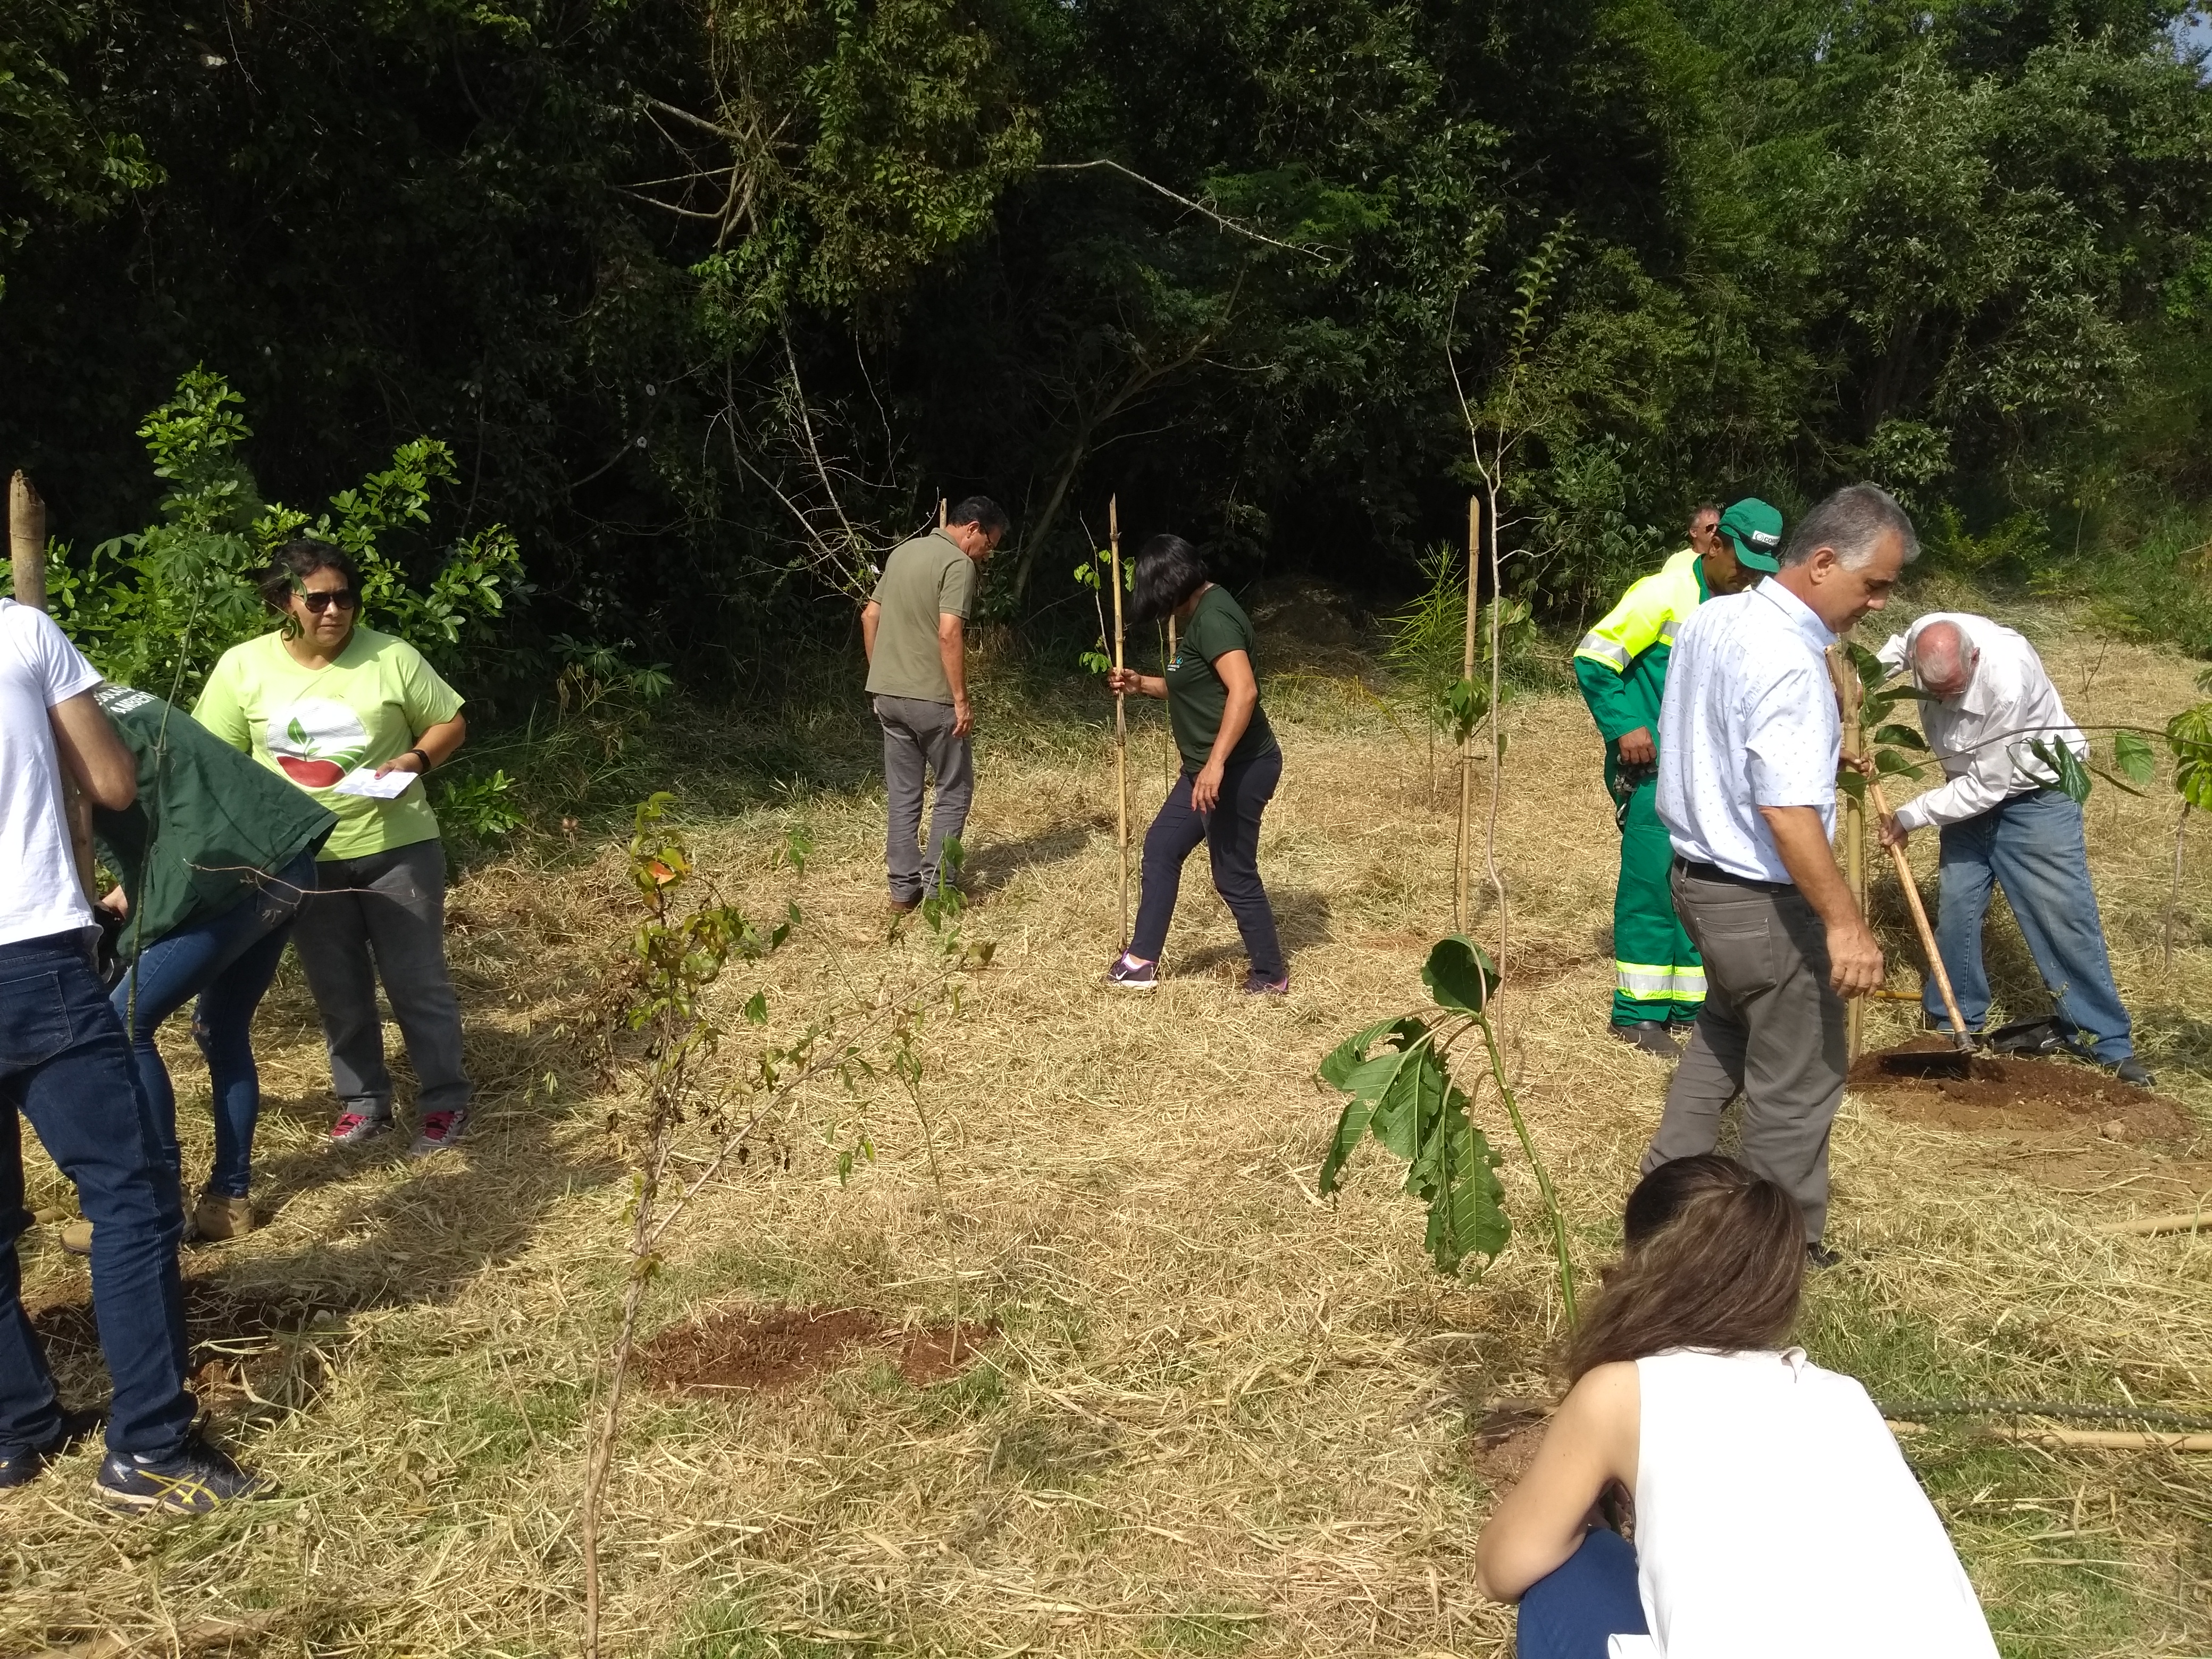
x,y
1754,531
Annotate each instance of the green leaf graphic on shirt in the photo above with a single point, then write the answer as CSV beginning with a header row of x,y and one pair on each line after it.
x,y
298,734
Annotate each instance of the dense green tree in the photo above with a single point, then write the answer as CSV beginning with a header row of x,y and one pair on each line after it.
x,y
711,299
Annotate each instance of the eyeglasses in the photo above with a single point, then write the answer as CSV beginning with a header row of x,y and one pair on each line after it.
x,y
344,598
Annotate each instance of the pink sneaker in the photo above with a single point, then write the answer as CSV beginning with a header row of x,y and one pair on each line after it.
x,y
440,1130
354,1127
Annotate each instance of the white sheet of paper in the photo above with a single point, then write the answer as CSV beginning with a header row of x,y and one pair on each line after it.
x,y
364,781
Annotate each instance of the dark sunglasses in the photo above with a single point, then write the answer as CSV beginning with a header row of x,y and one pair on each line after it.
x,y
344,598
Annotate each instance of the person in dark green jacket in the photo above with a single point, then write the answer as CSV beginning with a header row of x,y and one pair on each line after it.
x,y
1621,666
215,855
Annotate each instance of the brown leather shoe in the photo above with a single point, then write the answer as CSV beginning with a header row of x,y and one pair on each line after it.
x,y
217,1217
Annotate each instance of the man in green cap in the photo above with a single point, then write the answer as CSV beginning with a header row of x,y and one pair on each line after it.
x,y
1621,666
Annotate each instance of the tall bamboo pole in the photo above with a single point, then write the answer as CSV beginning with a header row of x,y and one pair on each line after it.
x,y
26,542
1851,700
1463,856
1171,756
1120,714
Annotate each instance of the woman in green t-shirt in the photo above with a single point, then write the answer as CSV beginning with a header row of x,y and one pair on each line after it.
x,y
1230,766
347,712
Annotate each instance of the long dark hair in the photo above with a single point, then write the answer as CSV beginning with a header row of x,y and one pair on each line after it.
x,y
290,566
1715,1258
1169,571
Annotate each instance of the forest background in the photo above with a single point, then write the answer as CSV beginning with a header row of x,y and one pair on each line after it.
x,y
710,301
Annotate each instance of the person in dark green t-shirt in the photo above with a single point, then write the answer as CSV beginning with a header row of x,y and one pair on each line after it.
x,y
214,855
1230,766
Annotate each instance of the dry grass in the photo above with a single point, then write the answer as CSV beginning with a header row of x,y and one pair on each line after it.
x,y
1220,1416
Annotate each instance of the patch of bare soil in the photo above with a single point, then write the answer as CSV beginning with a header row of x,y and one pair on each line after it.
x,y
2013,1093
1506,1439
757,1350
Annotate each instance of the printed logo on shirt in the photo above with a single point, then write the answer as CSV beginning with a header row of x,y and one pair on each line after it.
x,y
316,741
121,699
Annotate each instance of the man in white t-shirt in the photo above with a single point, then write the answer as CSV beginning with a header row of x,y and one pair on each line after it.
x,y
66,1066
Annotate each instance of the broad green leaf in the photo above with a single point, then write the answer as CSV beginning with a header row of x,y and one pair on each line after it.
x,y
2060,760
1336,1070
1903,735
1873,672
1408,1100
1890,763
1852,782
1459,975
2133,755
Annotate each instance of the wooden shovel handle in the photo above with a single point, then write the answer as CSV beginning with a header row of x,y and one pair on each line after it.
x,y
1959,1035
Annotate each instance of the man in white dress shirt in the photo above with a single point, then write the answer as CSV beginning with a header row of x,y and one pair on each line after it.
x,y
2005,822
1748,741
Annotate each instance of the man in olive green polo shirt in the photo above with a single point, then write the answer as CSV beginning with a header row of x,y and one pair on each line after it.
x,y
915,628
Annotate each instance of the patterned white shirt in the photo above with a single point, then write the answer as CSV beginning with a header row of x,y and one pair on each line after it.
x,y
1749,720
2009,692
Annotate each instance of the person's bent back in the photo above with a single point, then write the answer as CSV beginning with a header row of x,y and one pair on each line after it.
x,y
1773,1513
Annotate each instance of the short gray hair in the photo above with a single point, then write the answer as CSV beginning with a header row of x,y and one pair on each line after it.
x,y
1852,521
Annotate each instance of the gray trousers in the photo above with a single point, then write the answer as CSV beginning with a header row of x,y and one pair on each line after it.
x,y
384,917
918,741
1772,1031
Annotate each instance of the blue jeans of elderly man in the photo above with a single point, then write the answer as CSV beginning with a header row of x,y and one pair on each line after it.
x,y
2004,823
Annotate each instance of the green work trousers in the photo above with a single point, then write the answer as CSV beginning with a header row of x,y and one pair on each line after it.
x,y
1658,975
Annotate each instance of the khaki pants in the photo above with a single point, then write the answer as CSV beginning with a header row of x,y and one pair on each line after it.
x,y
1772,1031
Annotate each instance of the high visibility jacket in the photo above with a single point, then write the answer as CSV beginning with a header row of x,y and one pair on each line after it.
x,y
1621,664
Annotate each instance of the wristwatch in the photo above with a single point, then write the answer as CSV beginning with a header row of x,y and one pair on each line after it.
x,y
420,756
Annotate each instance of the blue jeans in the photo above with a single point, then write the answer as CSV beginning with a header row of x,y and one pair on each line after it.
x,y
1569,1613
64,1066
2032,845
227,961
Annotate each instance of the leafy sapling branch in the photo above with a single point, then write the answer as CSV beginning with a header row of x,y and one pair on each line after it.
x,y
1092,573
1397,1073
665,995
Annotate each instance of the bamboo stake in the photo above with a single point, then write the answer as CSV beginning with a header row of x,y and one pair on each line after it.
x,y
2142,1226
1120,714
1850,698
1463,857
1170,756
2103,1439
26,542
941,511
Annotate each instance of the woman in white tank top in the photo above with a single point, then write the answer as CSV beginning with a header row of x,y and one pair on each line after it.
x,y
1774,1517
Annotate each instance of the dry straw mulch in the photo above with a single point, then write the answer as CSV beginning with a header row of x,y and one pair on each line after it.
x,y
1214,1413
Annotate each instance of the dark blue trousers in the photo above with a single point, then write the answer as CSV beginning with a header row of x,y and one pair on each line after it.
x,y
1231,835
64,1066
1569,1613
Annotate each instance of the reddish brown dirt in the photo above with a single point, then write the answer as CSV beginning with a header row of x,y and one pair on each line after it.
x,y
2012,1093
759,1351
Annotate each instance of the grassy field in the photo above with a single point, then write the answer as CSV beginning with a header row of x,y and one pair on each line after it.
x,y
1218,1415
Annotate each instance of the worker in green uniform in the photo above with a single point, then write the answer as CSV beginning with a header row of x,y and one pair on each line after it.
x,y
1621,666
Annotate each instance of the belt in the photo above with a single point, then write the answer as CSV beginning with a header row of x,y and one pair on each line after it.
x,y
1702,871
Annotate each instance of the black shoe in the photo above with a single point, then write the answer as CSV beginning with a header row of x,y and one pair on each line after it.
x,y
1649,1035
191,1481
22,1466
2130,1070
1818,1255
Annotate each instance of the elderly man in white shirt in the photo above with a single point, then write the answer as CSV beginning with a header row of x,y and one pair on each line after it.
x,y
2005,822
1748,743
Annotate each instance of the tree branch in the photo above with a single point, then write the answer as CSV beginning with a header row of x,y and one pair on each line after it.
x,y
1195,206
